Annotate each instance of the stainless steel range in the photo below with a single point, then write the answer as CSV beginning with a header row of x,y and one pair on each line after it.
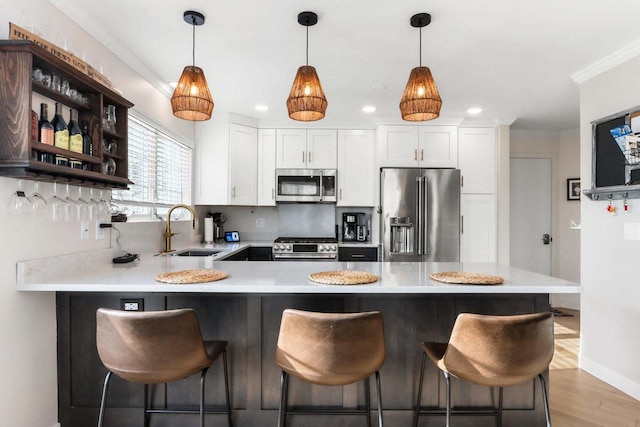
x,y
305,249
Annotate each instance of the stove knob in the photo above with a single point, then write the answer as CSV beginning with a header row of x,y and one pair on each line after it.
x,y
275,248
333,248
320,248
288,247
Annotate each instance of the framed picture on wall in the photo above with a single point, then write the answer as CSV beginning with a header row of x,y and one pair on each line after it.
x,y
573,189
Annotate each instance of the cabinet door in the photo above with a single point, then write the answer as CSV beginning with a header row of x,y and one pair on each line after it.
x,y
398,146
322,149
243,165
477,159
355,168
266,167
478,228
291,149
438,147
212,163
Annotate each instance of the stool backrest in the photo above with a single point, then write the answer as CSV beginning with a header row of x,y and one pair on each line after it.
x,y
500,350
330,348
150,346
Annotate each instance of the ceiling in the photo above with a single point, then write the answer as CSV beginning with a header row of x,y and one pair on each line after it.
x,y
514,59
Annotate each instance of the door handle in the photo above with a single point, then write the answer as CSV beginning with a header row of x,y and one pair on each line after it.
x,y
309,157
303,157
546,239
415,154
422,154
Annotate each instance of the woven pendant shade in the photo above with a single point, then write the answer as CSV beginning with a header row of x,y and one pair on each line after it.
x,y
421,100
306,101
192,100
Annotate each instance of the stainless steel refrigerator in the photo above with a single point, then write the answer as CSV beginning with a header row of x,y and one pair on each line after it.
x,y
420,214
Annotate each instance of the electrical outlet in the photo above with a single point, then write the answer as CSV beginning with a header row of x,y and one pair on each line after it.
x,y
99,231
260,222
84,230
132,304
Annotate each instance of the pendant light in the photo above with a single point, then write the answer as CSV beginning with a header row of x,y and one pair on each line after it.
x,y
421,100
191,99
306,101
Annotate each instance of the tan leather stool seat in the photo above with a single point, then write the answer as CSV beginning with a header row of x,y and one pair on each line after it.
x,y
331,349
495,351
153,347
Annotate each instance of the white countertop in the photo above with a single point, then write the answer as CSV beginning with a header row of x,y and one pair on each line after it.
x,y
94,272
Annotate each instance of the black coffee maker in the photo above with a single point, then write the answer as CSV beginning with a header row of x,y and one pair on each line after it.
x,y
354,227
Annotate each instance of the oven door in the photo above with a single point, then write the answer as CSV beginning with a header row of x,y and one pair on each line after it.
x,y
298,185
303,257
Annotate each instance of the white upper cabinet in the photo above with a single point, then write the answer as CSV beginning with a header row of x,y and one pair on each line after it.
x,y
212,162
356,168
306,149
267,167
477,160
243,165
418,146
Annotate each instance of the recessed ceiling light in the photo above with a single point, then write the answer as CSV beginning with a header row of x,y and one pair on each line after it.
x,y
378,87
368,109
261,107
173,84
474,110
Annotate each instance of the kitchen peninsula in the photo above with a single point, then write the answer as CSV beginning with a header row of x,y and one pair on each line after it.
x,y
245,309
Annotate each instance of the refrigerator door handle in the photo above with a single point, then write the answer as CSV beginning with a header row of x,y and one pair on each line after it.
x,y
421,202
425,217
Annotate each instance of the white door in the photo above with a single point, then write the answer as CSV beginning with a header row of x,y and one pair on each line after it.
x,y
530,214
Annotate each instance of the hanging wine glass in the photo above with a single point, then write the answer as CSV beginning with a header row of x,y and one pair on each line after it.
x,y
71,212
38,203
94,207
105,208
57,205
84,208
19,203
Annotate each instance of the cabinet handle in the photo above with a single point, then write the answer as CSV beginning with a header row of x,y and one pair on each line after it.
x,y
303,157
233,192
341,194
415,154
273,194
309,157
461,224
462,181
421,154
357,255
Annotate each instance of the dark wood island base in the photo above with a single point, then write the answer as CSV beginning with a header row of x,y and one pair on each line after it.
x,y
250,323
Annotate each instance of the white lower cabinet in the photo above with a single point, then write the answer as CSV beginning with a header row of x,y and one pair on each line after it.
x,y
266,167
478,228
356,168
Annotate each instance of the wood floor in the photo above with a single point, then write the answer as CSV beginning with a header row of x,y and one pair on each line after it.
x,y
578,399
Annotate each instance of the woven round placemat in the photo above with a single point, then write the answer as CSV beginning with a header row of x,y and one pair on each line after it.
x,y
466,278
191,276
343,277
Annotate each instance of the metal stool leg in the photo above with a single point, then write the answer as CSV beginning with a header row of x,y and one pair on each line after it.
x,y
203,377
284,390
420,381
545,397
447,380
367,398
147,415
500,394
103,400
226,386
379,390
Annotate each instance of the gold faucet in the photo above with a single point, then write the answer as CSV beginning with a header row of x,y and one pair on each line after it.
x,y
168,233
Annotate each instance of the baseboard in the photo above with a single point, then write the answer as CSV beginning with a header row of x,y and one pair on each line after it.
x,y
610,377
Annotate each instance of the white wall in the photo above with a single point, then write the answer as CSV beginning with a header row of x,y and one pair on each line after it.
x,y
564,151
28,390
610,299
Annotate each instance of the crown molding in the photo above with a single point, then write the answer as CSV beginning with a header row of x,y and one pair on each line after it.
x,y
607,63
87,23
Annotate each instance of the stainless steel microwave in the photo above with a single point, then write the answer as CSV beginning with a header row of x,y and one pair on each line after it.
x,y
306,185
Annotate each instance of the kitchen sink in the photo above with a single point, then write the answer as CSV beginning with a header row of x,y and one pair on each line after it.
x,y
197,252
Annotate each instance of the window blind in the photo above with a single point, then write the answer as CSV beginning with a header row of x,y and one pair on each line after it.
x,y
160,167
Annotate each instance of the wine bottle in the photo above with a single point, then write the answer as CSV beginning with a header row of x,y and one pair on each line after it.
x,y
60,135
75,138
34,126
87,143
45,133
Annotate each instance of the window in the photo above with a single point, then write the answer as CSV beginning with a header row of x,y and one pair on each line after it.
x,y
160,167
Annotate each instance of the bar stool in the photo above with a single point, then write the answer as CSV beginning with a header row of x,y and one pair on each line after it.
x,y
495,351
154,347
331,349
